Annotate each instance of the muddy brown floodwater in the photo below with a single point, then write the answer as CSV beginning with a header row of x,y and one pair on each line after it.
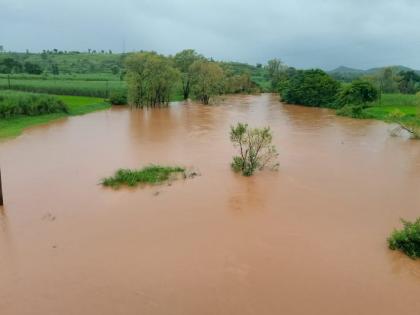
x,y
307,239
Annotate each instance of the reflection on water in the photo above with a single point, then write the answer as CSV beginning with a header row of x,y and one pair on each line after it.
x,y
309,238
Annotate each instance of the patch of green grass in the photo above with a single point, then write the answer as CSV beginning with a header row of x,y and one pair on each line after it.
x,y
407,104
13,127
153,174
77,105
53,85
407,240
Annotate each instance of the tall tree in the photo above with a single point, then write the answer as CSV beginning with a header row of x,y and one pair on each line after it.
x,y
387,79
150,78
183,61
276,72
206,80
408,81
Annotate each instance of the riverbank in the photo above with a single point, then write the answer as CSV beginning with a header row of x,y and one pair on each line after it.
x,y
406,104
77,105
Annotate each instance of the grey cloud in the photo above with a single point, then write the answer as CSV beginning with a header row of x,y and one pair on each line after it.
x,y
304,33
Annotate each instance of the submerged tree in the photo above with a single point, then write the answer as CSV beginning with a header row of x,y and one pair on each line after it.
x,y
150,78
183,61
207,80
240,83
256,150
409,123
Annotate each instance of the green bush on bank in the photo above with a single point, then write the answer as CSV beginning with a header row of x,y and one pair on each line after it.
x,y
310,87
118,98
14,104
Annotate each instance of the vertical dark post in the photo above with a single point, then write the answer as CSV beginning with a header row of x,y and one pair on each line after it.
x,y
1,192
8,80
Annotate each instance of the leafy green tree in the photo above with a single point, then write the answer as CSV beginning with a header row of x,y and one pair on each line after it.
x,y
310,87
256,150
276,72
240,83
32,68
183,61
359,92
387,81
408,82
10,65
150,79
54,69
206,80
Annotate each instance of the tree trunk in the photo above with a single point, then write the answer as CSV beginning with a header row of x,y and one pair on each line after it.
x,y
1,192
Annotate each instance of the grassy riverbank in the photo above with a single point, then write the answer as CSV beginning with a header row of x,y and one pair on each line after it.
x,y
77,105
407,104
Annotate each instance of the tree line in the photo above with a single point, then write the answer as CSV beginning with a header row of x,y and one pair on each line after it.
x,y
151,78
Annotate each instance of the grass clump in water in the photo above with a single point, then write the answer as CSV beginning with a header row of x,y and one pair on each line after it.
x,y
407,240
153,174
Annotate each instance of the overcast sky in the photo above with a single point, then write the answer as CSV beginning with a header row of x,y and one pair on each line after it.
x,y
303,33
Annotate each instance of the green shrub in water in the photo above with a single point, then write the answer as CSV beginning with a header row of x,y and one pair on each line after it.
x,y
256,150
407,240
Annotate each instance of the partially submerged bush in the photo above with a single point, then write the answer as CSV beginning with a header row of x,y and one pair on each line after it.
x,y
118,98
30,104
255,148
152,174
354,111
407,240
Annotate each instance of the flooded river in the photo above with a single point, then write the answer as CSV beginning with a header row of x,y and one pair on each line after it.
x,y
307,239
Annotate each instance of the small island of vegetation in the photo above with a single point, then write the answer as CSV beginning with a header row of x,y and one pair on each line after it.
x,y
153,174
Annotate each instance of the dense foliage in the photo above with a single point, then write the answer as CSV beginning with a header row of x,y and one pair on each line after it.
x,y
148,175
15,104
358,93
392,79
61,62
183,61
256,150
118,98
407,239
150,79
310,87
207,80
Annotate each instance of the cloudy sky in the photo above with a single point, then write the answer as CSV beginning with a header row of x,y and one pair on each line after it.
x,y
303,33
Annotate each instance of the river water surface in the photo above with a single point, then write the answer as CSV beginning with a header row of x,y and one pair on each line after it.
x,y
307,239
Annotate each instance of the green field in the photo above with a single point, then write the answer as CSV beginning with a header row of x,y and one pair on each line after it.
x,y
408,104
62,86
77,105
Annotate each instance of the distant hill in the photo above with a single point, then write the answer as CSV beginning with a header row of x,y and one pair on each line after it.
x,y
348,74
